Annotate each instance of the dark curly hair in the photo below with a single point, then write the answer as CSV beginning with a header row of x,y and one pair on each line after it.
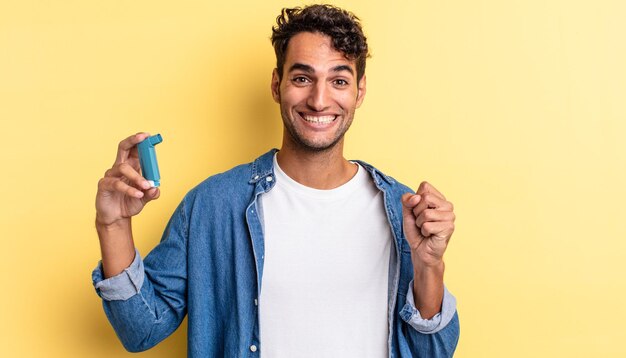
x,y
341,26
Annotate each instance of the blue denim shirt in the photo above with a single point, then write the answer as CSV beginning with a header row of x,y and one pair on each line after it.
x,y
209,265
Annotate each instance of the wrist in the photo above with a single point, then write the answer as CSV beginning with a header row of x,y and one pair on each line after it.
x,y
104,227
435,268
426,260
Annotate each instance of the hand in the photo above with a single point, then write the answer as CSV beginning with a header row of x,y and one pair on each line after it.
x,y
123,192
428,224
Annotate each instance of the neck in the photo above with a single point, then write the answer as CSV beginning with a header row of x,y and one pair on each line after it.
x,y
326,169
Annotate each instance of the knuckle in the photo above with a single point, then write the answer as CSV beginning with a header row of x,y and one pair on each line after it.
x,y
119,185
125,168
101,183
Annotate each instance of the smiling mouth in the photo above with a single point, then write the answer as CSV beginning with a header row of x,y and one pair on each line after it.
x,y
318,119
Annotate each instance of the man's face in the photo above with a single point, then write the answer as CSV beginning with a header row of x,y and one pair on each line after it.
x,y
318,93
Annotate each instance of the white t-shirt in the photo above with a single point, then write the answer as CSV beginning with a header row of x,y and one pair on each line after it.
x,y
326,267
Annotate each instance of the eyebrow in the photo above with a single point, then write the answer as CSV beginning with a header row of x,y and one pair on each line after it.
x,y
301,67
341,68
308,69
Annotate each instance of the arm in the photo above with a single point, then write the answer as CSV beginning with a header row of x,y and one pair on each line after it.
x,y
428,221
147,301
144,304
431,324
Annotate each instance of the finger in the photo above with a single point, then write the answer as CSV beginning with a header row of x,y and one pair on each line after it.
x,y
426,187
127,171
433,215
432,201
410,200
441,229
110,184
408,219
151,194
122,187
125,146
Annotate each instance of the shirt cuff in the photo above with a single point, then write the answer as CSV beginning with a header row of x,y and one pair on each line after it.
x,y
124,285
411,315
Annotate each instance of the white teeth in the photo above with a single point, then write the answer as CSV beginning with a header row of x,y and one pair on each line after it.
x,y
319,119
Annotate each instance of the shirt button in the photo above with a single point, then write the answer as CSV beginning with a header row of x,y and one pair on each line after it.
x,y
269,178
253,348
256,302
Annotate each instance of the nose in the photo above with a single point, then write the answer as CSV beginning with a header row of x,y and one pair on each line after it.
x,y
319,97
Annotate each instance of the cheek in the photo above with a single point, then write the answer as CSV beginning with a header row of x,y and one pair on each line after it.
x,y
347,100
291,96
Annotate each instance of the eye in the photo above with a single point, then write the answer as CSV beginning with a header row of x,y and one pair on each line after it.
x,y
340,82
300,80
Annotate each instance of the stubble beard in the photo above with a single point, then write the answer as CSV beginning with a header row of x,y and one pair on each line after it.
x,y
304,144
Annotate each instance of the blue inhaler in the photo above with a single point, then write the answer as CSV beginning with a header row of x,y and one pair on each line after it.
x,y
148,160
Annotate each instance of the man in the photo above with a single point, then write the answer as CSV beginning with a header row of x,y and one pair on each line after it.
x,y
300,253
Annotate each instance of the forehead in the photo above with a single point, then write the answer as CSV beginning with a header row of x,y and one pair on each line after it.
x,y
315,50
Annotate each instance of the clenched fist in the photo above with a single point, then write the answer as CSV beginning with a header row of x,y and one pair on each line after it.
x,y
428,224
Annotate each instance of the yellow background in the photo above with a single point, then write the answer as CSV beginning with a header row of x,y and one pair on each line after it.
x,y
514,109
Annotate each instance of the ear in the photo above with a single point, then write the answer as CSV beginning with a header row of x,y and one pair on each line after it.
x,y
361,89
275,86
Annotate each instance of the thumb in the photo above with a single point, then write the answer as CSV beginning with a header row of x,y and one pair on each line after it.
x,y
409,201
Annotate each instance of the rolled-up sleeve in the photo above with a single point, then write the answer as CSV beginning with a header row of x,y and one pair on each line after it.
x,y
412,316
122,286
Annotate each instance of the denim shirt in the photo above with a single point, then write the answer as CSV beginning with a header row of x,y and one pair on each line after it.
x,y
209,265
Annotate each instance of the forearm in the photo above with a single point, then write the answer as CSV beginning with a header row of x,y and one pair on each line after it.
x,y
116,246
147,300
428,288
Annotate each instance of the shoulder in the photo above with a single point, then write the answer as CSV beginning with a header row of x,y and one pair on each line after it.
x,y
385,182
232,179
235,182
